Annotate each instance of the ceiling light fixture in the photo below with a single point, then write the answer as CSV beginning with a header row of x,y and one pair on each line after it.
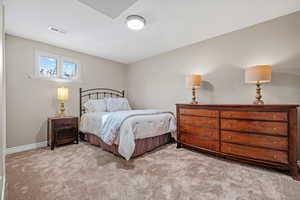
x,y
135,22
57,30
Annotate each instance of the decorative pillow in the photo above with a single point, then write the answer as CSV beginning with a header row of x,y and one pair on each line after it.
x,y
117,104
95,105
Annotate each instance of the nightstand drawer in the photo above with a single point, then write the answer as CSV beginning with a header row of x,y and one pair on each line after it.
x,y
65,141
66,122
64,133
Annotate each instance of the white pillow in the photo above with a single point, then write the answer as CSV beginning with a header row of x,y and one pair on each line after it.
x,y
117,104
95,105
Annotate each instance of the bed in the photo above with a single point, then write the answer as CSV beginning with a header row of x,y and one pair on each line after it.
x,y
108,122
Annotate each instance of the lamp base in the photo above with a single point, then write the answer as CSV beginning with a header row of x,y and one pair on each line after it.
x,y
60,115
194,102
259,102
258,96
194,96
61,110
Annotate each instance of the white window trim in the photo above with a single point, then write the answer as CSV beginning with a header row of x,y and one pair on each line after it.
x,y
60,60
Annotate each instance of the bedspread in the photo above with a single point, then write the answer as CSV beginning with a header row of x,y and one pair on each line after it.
x,y
123,127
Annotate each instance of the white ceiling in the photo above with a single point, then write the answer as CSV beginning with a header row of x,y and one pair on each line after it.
x,y
170,24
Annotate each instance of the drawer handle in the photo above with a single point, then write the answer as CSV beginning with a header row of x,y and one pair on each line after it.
x,y
274,128
275,156
274,142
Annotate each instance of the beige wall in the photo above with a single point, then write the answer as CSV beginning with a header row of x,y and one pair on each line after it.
x,y
2,105
159,82
30,101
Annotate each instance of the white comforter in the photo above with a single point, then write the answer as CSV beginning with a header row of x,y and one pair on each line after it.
x,y
124,127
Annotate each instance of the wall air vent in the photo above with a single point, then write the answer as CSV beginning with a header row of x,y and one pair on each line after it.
x,y
57,30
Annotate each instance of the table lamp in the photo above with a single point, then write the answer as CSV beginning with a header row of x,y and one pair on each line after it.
x,y
258,74
62,96
193,81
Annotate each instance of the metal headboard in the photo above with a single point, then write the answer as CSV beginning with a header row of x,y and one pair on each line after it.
x,y
97,93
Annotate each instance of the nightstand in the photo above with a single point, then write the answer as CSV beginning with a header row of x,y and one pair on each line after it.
x,y
62,130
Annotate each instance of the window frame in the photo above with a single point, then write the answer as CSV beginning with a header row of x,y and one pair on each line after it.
x,y
60,60
40,54
72,60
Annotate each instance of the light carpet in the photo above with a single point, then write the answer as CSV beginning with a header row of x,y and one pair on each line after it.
x,y
85,172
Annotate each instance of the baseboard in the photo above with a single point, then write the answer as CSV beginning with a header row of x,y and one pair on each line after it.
x,y
26,147
3,188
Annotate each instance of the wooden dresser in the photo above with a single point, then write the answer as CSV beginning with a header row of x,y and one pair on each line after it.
x,y
259,134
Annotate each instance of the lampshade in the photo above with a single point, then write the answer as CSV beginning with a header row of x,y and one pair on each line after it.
x,y
259,73
62,94
193,81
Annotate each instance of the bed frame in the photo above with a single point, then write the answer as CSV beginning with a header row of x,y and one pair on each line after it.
x,y
97,93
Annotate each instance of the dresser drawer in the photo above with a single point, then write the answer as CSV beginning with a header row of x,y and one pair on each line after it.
x,y
66,122
278,116
199,142
279,143
204,122
199,112
274,128
255,153
198,131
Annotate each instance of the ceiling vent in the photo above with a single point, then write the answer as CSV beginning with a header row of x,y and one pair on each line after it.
x,y
110,8
57,30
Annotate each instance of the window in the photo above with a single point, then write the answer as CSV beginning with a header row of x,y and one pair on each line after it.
x,y
56,67
48,66
69,69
